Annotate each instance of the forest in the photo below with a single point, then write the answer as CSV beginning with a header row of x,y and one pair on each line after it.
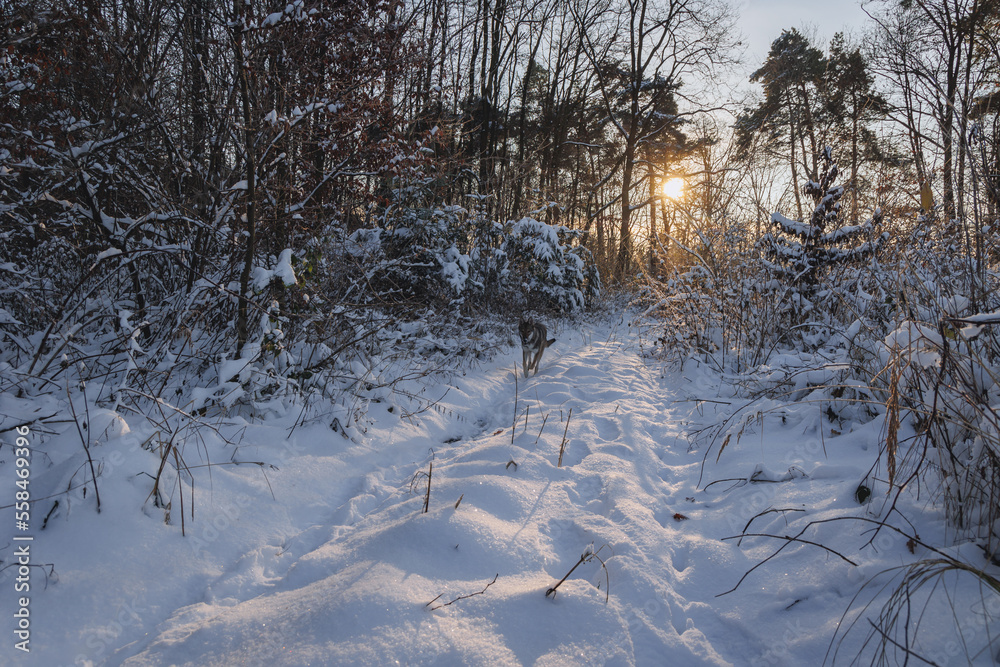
x,y
208,207
161,159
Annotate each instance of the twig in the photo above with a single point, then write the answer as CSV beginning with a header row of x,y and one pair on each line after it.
x,y
767,511
543,427
84,439
48,569
607,578
462,597
789,540
180,465
583,559
48,516
427,498
514,425
28,423
737,483
588,555
905,649
562,446
427,494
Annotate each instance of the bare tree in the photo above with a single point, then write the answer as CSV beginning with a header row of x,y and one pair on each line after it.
x,y
638,75
927,49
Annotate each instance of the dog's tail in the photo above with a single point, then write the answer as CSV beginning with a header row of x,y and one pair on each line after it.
x,y
550,341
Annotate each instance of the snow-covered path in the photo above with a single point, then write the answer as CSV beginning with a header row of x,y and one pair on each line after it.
x,y
354,588
341,567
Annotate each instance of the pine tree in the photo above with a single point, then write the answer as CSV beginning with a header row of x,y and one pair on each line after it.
x,y
799,252
853,104
791,76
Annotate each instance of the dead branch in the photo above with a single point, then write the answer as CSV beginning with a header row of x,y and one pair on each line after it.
x,y
427,498
788,540
461,597
562,446
760,514
545,419
588,555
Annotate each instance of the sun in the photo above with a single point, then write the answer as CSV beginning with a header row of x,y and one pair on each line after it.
x,y
673,188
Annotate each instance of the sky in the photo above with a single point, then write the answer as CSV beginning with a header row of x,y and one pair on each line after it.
x,y
761,22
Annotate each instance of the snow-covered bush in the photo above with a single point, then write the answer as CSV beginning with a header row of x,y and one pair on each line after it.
x,y
414,258
945,348
722,307
906,339
428,255
548,269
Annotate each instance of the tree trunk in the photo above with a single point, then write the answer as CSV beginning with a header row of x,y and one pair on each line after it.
x,y
653,181
791,159
250,172
623,259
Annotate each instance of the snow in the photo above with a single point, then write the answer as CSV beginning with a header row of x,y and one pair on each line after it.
x,y
104,254
794,227
307,544
282,270
982,318
455,268
7,318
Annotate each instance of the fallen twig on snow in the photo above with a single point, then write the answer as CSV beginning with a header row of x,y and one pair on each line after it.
x,y
789,539
461,597
588,555
760,514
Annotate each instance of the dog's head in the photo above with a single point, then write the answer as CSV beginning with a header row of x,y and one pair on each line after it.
x,y
525,327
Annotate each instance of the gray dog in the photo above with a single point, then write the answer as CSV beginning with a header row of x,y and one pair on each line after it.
x,y
533,343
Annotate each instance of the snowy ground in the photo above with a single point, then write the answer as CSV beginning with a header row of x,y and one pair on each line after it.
x,y
327,559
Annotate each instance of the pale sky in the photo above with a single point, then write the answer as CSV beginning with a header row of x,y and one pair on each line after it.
x,y
761,22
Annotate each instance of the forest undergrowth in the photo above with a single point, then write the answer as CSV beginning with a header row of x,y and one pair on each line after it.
x,y
898,329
